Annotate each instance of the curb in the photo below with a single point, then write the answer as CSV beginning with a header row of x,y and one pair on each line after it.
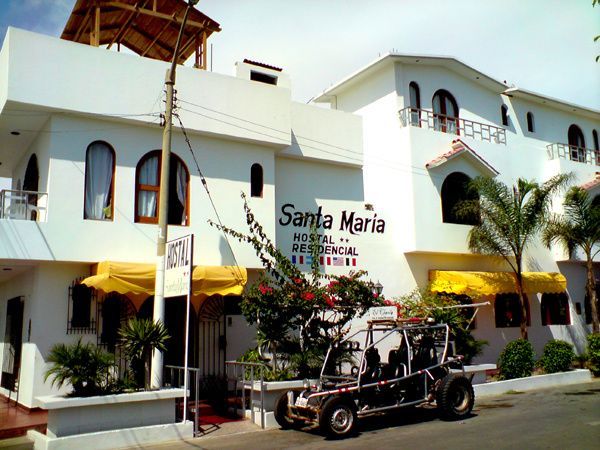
x,y
538,381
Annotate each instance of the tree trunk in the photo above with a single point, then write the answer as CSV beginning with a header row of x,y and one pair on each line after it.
x,y
591,289
523,305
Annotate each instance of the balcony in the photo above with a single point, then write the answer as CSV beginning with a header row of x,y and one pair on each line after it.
x,y
452,125
22,205
573,153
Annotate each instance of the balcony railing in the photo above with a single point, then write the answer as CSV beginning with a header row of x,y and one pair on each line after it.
x,y
22,205
573,153
452,125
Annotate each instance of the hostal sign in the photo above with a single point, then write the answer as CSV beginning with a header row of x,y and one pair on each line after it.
x,y
332,251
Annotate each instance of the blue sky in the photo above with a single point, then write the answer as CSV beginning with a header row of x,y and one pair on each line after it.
x,y
545,46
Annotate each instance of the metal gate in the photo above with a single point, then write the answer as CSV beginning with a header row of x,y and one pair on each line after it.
x,y
211,347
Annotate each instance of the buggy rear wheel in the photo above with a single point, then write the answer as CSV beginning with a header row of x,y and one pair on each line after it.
x,y
338,418
455,397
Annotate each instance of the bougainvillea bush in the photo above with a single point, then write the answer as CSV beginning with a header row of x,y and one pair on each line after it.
x,y
298,314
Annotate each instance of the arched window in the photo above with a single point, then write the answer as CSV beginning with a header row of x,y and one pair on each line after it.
x,y
147,189
256,180
507,310
596,146
454,190
415,103
530,122
555,309
577,143
445,112
99,181
31,184
504,113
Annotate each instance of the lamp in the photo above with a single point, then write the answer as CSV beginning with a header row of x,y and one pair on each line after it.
x,y
377,288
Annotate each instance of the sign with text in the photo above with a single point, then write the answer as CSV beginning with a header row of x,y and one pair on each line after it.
x,y
383,313
178,266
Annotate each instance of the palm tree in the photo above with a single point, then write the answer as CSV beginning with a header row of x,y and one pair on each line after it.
x,y
139,338
579,227
84,366
509,219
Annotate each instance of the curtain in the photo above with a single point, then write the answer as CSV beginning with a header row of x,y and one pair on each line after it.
x,y
148,175
98,183
182,187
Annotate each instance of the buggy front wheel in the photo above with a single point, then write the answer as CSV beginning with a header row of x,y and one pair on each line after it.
x,y
455,397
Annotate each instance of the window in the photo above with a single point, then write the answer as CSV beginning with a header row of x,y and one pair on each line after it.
x,y
596,146
455,190
577,143
263,77
99,181
82,309
256,180
504,113
507,310
148,190
596,201
31,184
530,122
415,103
555,309
445,112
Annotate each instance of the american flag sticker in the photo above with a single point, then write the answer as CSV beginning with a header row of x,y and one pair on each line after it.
x,y
338,261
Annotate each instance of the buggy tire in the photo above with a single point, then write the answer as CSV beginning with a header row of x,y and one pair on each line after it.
x,y
281,413
338,417
455,397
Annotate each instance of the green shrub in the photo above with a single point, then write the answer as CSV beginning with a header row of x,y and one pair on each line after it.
x,y
593,350
87,368
557,356
516,360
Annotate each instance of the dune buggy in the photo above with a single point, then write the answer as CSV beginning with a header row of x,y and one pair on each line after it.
x,y
389,364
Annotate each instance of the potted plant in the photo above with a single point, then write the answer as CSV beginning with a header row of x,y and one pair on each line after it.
x,y
139,338
87,368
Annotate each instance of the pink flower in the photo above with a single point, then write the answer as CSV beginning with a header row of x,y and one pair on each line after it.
x,y
298,280
264,289
386,302
375,295
308,296
330,302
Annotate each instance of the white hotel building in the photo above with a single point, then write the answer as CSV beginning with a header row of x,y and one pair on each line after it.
x,y
79,134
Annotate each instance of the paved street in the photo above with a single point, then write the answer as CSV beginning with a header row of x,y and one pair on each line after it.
x,y
565,417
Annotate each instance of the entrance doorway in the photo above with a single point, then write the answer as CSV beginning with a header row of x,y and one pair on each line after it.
x,y
11,361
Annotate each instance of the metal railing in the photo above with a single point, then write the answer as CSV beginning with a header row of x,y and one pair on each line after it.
x,y
243,380
452,125
573,153
22,205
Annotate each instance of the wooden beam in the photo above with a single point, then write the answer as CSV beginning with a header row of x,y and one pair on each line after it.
x,y
95,27
159,15
126,25
204,51
151,44
83,25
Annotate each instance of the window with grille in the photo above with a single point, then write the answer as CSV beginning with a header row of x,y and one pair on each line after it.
x,y
82,309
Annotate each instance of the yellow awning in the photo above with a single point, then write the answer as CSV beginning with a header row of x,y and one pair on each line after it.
x,y
476,284
136,280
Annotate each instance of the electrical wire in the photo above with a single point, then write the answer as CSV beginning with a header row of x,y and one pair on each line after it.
x,y
205,184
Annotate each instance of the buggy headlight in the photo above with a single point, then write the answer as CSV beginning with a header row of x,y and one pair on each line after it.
x,y
319,386
306,383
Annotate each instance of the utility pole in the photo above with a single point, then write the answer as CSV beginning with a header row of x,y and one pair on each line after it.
x,y
163,207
